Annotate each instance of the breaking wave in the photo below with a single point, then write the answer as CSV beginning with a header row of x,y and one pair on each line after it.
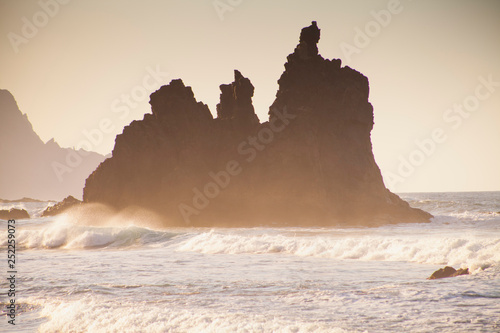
x,y
467,250
70,236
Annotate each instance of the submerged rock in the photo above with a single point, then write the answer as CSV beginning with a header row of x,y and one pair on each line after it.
x,y
13,214
60,207
310,164
448,271
462,271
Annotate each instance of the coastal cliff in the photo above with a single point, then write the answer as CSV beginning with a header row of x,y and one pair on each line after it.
x,y
32,168
311,163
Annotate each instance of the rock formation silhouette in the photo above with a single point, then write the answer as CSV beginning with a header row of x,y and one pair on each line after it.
x,y
61,206
310,164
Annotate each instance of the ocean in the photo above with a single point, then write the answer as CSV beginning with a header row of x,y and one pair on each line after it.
x,y
128,277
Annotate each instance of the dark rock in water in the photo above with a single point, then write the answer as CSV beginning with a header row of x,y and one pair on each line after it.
x,y
14,214
461,271
310,164
60,207
448,272
443,273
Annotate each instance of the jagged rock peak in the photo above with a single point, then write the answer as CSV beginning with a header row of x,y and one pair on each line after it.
x,y
175,90
174,101
236,100
243,88
309,38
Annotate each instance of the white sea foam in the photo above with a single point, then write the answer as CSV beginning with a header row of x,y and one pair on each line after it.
x,y
466,250
442,243
93,314
260,279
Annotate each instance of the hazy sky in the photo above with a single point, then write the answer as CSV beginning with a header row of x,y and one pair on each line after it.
x,y
433,66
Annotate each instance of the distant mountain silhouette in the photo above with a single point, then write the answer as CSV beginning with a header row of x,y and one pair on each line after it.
x,y
310,164
31,168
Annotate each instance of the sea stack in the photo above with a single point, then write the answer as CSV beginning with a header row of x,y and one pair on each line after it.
x,y
310,164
